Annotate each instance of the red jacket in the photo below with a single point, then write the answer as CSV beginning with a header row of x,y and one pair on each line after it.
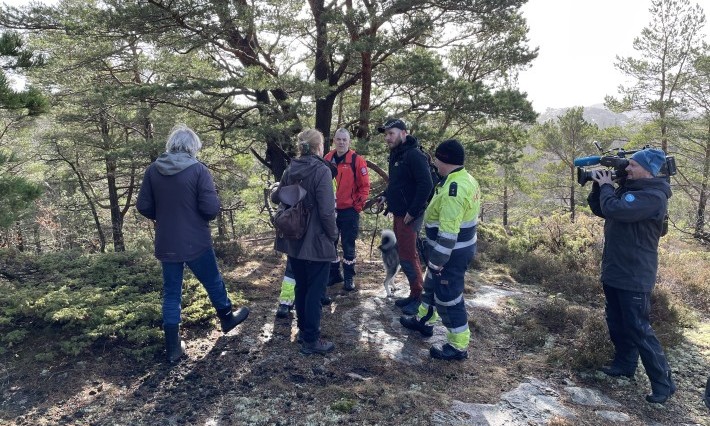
x,y
353,184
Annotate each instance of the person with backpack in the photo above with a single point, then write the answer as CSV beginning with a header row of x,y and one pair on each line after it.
x,y
179,196
406,197
311,254
353,188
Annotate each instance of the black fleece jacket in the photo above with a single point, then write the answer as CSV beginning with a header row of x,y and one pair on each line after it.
x,y
409,179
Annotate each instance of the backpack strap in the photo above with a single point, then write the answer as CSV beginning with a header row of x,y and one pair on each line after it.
x,y
352,164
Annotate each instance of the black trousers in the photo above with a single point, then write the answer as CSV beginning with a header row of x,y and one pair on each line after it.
x,y
627,316
311,278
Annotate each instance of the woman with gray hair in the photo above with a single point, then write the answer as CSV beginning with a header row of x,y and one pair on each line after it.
x,y
179,195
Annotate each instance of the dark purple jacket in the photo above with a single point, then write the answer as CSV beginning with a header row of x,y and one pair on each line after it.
x,y
179,194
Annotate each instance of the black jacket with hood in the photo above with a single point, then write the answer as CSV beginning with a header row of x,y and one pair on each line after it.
x,y
316,177
409,179
634,215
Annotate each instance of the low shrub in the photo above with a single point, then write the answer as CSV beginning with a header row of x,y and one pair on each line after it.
x,y
590,348
76,301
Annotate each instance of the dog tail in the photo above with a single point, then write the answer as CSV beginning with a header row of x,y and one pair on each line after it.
x,y
388,239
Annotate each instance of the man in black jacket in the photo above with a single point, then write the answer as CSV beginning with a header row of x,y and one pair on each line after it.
x,y
406,196
634,214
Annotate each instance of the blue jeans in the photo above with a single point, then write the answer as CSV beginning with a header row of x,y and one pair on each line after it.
x,y
627,316
205,270
311,279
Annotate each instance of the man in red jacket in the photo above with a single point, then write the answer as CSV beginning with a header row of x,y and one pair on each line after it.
x,y
353,188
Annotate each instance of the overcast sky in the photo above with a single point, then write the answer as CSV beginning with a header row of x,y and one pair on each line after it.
x,y
578,42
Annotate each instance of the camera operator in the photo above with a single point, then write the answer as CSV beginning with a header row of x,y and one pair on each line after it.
x,y
634,214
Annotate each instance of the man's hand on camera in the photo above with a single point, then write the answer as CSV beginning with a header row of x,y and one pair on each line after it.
x,y
602,177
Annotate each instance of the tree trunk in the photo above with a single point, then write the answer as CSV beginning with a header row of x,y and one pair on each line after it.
x,y
505,205
114,206
703,199
363,127
572,207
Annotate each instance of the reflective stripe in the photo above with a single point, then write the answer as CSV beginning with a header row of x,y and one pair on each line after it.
x,y
443,250
451,303
288,291
348,262
462,244
448,235
457,330
459,339
467,224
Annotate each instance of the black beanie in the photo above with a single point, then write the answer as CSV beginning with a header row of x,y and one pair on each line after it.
x,y
450,152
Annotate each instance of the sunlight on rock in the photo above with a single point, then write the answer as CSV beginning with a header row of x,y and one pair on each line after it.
x,y
488,297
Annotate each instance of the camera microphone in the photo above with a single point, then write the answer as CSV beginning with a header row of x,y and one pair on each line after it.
x,y
587,161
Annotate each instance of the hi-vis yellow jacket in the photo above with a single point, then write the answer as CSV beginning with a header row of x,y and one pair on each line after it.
x,y
452,216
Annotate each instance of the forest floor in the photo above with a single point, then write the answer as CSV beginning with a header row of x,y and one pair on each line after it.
x,y
379,373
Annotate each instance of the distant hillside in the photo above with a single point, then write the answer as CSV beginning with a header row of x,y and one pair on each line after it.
x,y
597,114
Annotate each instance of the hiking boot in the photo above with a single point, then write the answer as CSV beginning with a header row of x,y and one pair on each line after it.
x,y
405,301
283,310
448,353
174,346
318,347
412,308
660,398
349,285
415,324
233,319
325,300
614,371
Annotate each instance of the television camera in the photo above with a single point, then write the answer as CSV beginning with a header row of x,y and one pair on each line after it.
x,y
586,166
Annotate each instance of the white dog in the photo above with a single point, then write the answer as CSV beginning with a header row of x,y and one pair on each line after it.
x,y
390,259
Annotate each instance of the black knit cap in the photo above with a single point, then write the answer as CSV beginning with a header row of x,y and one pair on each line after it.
x,y
450,152
394,123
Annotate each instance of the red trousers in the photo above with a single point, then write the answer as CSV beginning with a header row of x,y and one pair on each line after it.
x,y
407,250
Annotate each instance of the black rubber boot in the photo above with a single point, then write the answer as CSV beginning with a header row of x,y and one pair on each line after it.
x,y
334,277
230,319
174,346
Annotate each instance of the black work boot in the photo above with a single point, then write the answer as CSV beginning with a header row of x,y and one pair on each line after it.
x,y
658,397
419,325
448,353
318,347
334,277
230,319
405,301
325,300
174,346
614,371
283,310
